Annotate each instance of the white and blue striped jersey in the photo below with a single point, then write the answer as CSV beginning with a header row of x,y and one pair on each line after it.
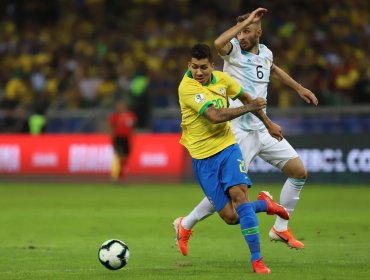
x,y
252,72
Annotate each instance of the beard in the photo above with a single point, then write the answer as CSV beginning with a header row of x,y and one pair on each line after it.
x,y
246,45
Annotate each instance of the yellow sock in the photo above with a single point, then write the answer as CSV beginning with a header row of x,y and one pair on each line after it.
x,y
116,167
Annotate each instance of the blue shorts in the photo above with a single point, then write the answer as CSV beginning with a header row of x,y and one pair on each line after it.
x,y
216,174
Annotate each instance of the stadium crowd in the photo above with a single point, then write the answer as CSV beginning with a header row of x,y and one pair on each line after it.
x,y
87,53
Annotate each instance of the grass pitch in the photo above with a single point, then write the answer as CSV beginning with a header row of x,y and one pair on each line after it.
x,y
53,231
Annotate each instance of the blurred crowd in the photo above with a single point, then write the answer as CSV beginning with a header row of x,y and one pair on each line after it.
x,y
88,53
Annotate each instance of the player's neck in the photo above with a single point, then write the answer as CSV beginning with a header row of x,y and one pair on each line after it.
x,y
206,83
255,49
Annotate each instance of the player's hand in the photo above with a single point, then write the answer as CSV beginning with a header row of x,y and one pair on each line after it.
x,y
256,15
275,131
257,104
308,96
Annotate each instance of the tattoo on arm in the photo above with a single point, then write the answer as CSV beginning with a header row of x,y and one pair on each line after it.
x,y
225,114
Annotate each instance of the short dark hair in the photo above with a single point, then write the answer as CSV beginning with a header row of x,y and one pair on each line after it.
x,y
242,17
201,51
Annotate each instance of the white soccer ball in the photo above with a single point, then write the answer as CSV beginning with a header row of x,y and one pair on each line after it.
x,y
114,254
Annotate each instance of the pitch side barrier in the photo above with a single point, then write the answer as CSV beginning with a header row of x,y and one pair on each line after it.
x,y
332,158
154,157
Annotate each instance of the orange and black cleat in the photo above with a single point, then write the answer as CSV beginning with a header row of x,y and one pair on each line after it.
x,y
272,207
182,236
260,268
287,237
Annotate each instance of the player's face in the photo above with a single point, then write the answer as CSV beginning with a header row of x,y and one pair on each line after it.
x,y
249,37
201,69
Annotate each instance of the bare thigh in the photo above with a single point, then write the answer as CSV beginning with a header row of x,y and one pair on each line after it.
x,y
238,195
294,168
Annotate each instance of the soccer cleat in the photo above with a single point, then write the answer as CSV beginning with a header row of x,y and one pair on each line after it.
x,y
287,237
182,236
260,268
272,207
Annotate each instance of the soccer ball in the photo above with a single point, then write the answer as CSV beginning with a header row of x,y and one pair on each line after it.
x,y
114,254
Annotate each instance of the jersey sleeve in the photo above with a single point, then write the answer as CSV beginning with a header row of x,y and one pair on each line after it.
x,y
232,52
194,97
268,54
234,90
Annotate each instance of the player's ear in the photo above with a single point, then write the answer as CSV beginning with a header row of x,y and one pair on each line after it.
x,y
189,63
259,32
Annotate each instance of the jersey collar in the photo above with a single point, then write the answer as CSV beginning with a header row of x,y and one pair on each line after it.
x,y
246,52
213,79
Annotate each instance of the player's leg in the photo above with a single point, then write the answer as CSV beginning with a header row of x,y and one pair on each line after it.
x,y
264,203
202,169
116,164
125,149
250,146
291,190
199,213
284,157
289,197
205,208
183,225
247,218
234,182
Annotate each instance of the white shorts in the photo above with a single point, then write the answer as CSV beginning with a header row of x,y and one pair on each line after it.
x,y
260,143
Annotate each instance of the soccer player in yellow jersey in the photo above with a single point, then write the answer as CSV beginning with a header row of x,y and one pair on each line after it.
x,y
251,65
216,158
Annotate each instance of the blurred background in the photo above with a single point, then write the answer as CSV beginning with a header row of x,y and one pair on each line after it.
x,y
70,60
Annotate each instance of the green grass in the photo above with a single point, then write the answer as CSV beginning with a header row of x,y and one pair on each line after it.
x,y
53,231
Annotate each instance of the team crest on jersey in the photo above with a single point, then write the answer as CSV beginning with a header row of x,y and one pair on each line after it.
x,y
199,98
222,91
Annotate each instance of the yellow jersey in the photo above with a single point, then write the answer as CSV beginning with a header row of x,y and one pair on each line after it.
x,y
200,137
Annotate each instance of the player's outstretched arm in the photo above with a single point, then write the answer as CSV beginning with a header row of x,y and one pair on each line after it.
x,y
222,43
273,128
215,115
307,95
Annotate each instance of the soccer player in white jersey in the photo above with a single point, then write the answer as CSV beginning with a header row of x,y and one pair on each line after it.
x,y
251,64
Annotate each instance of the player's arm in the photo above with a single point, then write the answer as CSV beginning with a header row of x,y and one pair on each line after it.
x,y
273,128
222,43
304,93
215,115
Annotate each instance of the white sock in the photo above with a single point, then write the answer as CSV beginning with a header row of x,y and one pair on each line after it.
x,y
200,212
289,197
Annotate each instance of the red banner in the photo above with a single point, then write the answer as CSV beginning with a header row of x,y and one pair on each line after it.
x,y
156,154
153,154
